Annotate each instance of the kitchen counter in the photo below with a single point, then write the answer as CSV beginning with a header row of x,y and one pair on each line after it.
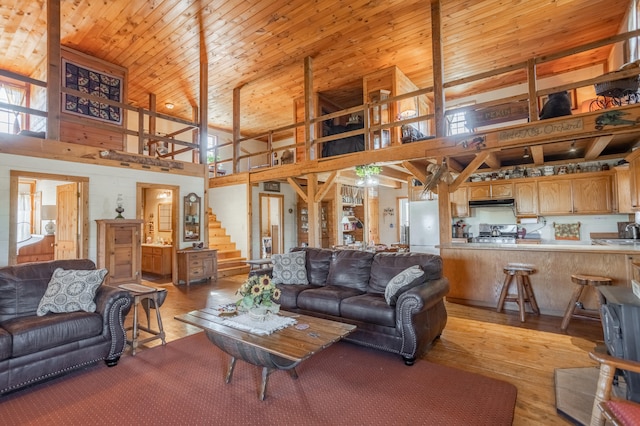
x,y
475,271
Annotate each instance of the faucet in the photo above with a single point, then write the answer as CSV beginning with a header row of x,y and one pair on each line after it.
x,y
635,230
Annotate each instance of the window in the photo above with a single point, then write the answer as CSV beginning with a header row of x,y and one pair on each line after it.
x,y
11,122
212,142
456,124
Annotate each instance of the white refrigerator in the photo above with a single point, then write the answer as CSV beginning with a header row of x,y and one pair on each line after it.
x,y
424,229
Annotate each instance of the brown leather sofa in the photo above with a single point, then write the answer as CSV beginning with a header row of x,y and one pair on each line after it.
x,y
349,286
35,348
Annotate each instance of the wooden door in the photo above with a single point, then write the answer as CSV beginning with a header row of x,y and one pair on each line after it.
x,y
554,197
66,242
592,195
634,168
526,198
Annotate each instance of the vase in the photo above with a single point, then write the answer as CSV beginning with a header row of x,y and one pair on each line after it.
x,y
258,313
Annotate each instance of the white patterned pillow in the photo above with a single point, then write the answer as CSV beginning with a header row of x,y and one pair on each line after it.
x,y
71,291
290,268
405,280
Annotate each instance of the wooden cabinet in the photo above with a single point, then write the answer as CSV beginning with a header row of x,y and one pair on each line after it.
x,y
486,191
480,192
592,195
156,259
584,195
554,197
196,265
623,189
526,198
326,224
634,181
459,202
119,250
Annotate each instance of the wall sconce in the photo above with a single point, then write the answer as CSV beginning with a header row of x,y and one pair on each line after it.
x,y
526,153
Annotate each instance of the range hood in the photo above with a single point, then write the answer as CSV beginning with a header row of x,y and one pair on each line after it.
x,y
503,202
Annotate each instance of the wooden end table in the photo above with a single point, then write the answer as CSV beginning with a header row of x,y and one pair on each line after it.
x,y
282,350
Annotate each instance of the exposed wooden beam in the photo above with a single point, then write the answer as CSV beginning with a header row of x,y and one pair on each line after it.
x,y
322,191
454,165
493,161
309,108
296,186
537,152
313,209
469,170
54,79
596,147
438,68
419,171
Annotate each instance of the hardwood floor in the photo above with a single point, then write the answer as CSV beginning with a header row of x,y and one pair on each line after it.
x,y
475,339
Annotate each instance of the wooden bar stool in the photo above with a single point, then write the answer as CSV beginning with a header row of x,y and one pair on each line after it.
x,y
525,294
575,308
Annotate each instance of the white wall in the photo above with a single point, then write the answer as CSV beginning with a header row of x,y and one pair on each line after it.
x,y
388,225
105,183
290,229
229,204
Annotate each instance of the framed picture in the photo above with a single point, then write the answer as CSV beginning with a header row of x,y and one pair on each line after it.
x,y
95,83
272,186
573,97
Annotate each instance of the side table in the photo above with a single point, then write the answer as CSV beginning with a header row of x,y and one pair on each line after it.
x,y
140,292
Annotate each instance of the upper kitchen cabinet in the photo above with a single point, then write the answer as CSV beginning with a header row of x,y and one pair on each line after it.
x,y
525,195
623,189
494,190
554,197
634,179
459,200
584,195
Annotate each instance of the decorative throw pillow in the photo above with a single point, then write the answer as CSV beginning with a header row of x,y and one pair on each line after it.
x,y
71,291
405,280
290,268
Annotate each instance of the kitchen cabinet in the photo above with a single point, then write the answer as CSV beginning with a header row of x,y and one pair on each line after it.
x,y
480,192
584,195
197,265
486,191
156,259
592,195
119,250
526,198
459,200
554,197
634,180
623,189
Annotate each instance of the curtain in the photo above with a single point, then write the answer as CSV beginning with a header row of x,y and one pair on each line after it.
x,y
16,97
24,217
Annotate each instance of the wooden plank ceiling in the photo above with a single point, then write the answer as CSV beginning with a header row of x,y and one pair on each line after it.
x,y
260,45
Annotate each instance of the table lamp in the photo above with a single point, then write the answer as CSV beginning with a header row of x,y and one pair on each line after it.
x,y
49,212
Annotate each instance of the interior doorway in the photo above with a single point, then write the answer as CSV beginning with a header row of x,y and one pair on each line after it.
x,y
49,217
271,224
158,206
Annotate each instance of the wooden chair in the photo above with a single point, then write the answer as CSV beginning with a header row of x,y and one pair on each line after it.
x,y
521,272
605,407
574,308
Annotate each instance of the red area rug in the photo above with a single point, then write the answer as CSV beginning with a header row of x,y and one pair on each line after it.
x,y
183,383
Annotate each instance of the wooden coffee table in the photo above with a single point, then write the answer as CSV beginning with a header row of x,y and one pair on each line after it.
x,y
282,350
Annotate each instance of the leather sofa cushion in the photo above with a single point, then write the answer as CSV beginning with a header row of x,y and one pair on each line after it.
x,y
350,268
326,299
369,308
5,344
317,262
289,294
387,265
34,334
22,286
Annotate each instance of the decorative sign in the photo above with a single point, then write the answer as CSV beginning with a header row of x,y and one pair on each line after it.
x,y
496,114
272,186
555,128
95,83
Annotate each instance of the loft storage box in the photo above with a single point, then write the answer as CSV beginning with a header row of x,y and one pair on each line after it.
x,y
85,121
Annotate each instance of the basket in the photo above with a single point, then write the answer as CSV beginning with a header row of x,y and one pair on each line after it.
x,y
617,88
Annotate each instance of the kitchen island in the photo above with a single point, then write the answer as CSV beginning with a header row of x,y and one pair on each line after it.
x,y
475,271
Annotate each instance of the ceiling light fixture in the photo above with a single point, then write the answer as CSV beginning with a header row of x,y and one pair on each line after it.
x,y
169,105
526,153
573,147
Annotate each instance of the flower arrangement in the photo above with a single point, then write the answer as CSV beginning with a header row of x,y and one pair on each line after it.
x,y
258,291
368,170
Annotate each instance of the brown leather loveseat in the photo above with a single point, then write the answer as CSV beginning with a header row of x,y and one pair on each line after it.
x,y
35,348
349,286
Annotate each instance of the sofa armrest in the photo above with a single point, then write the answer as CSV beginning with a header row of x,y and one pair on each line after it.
x,y
420,315
114,305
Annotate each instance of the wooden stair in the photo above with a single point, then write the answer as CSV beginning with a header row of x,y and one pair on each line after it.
x,y
230,260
